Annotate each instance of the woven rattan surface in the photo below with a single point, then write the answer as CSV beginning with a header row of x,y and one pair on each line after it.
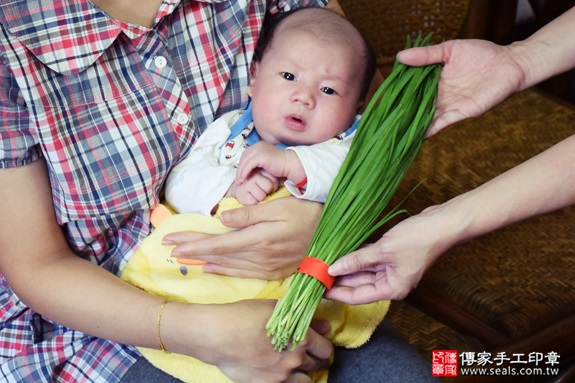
x,y
520,279
426,333
386,23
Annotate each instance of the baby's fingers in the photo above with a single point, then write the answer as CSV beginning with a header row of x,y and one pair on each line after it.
x,y
245,167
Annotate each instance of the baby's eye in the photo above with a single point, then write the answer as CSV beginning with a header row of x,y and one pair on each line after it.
x,y
328,90
288,76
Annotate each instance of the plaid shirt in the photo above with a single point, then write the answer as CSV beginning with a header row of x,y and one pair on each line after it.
x,y
111,107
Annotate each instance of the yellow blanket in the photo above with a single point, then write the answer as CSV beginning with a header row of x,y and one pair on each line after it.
x,y
153,269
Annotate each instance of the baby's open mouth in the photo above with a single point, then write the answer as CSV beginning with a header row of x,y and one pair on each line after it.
x,y
295,122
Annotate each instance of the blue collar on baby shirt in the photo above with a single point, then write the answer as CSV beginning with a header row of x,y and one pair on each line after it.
x,y
246,119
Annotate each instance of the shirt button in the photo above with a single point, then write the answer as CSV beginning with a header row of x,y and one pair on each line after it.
x,y
160,62
183,119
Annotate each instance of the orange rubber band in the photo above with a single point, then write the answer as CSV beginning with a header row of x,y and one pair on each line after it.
x,y
318,269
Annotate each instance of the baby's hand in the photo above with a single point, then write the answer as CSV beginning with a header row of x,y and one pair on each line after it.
x,y
263,155
255,188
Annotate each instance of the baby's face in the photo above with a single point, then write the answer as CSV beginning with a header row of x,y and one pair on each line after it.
x,y
305,90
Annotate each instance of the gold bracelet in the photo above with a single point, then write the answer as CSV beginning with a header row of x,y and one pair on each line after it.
x,y
162,347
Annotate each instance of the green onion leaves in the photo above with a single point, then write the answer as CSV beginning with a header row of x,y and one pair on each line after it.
x,y
386,142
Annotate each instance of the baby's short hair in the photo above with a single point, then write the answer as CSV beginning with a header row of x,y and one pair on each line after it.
x,y
329,26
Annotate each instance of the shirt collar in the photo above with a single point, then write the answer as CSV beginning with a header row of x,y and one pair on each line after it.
x,y
68,35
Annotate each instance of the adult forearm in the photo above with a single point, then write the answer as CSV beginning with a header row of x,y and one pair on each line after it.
x,y
83,296
43,271
542,184
549,51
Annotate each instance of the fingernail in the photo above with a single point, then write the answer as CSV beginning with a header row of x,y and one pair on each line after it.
x,y
176,253
324,327
225,216
167,242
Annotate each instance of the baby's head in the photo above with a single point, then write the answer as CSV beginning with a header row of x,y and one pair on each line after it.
x,y
312,71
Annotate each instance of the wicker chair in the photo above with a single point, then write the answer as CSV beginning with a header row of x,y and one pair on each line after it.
x,y
512,290
387,23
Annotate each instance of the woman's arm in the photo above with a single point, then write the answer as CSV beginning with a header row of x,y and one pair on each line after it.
x,y
83,296
33,244
540,185
394,265
548,52
479,74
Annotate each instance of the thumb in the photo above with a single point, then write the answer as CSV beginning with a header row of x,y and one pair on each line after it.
x,y
354,262
244,216
444,120
419,56
238,218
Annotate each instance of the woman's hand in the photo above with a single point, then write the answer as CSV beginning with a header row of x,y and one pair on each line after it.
x,y
476,76
392,267
273,239
234,339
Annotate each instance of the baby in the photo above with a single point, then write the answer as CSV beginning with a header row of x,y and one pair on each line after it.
x,y
308,84
310,76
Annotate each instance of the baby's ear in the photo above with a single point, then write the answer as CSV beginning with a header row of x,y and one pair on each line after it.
x,y
254,74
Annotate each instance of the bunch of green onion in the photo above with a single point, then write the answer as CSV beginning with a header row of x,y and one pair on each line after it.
x,y
386,142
